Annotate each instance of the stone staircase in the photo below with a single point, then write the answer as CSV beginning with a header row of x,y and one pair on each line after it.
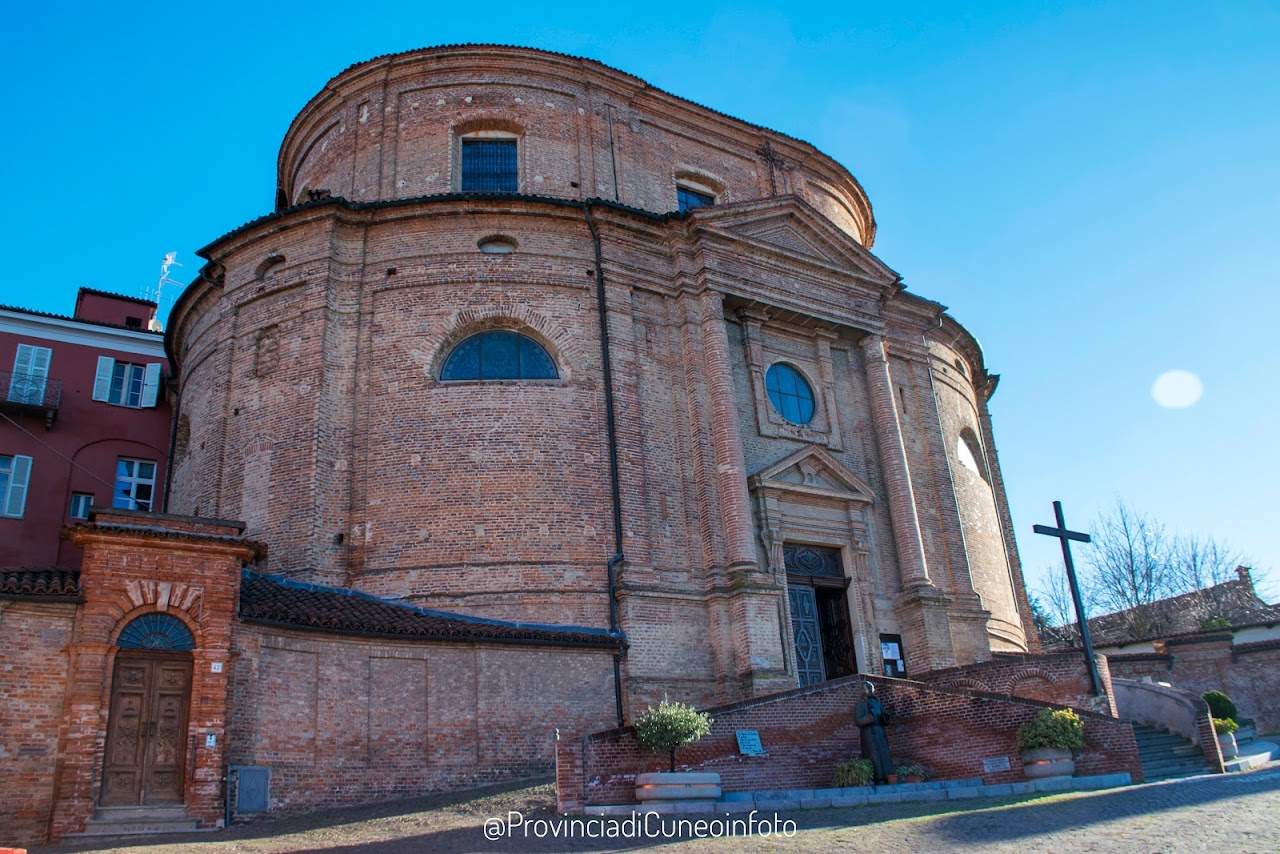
x,y
137,821
1165,755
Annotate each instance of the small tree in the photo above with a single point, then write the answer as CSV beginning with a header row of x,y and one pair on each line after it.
x,y
1220,705
669,726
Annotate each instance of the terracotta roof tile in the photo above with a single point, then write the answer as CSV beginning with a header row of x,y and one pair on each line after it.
x,y
1184,615
53,582
284,602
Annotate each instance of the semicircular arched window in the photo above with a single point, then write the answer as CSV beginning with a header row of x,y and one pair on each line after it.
x,y
789,392
157,631
499,355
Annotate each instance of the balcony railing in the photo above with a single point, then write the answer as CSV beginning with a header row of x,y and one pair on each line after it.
x,y
27,395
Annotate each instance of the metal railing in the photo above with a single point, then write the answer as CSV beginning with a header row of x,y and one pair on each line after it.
x,y
30,391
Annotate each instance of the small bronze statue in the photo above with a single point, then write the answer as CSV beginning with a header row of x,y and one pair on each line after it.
x,y
870,716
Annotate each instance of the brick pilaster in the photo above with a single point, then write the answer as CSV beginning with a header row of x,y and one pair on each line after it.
x,y
893,457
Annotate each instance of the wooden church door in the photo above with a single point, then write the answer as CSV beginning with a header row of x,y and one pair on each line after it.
x,y
820,623
146,732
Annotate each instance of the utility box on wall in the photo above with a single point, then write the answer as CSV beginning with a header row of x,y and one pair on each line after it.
x,y
253,788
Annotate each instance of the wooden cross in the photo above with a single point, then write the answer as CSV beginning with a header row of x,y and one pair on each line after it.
x,y
1066,536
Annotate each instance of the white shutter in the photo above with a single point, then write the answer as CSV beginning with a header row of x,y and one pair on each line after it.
x,y
102,380
151,384
16,500
30,370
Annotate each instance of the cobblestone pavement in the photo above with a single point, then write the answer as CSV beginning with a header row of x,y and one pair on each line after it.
x,y
1225,813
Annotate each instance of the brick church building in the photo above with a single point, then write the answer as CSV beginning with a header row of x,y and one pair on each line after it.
x,y
542,393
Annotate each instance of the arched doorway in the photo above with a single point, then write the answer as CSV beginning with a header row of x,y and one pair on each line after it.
x,y
147,728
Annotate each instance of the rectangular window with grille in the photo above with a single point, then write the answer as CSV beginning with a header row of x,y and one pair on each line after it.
x,y
489,166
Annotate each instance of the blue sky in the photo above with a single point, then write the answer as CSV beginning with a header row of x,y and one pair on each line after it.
x,y
1093,188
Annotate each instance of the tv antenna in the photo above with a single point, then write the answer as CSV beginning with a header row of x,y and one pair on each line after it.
x,y
155,294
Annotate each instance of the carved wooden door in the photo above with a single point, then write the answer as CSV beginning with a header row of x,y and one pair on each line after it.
x,y
147,731
808,636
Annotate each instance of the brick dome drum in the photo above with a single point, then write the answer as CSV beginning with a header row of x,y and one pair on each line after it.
x,y
429,197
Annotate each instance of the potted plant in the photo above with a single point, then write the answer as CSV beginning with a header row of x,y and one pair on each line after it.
x,y
855,772
1047,742
662,730
910,772
1226,730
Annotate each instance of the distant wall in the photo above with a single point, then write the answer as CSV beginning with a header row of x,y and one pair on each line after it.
x,y
1249,673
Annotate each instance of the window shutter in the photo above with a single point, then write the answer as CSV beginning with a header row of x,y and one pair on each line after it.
x,y
151,384
40,359
22,362
16,501
102,380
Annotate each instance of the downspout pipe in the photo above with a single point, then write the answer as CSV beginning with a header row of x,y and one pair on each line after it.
x,y
173,446
612,430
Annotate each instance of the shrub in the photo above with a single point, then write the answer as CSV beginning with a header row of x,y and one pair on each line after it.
x,y
669,726
855,772
911,769
1224,726
1220,705
1059,729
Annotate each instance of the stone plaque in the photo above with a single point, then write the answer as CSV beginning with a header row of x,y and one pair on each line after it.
x,y
992,764
749,743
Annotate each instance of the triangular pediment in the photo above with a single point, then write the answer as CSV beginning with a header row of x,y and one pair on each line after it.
x,y
816,472
789,225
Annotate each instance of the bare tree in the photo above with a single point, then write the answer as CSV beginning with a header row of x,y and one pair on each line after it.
x,y
1055,599
1203,562
1132,561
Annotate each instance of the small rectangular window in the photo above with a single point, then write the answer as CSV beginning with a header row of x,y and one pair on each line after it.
x,y
489,166
133,323
15,475
80,504
692,199
135,484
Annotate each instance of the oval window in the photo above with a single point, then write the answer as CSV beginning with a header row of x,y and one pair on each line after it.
x,y
497,245
499,355
789,393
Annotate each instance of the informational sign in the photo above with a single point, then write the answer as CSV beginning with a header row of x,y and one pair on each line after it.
x,y
749,742
992,764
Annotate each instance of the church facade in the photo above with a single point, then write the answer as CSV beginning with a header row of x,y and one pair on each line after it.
x,y
541,394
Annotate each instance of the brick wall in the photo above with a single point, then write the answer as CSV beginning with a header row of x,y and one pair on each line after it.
x,y
808,732
343,720
33,681
1059,678
1248,673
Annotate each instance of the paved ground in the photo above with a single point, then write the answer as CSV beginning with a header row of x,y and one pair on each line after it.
x,y
1222,813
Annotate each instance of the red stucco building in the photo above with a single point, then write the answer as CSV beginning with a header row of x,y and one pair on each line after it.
x,y
84,421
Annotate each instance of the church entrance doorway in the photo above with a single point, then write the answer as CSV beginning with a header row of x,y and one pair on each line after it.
x,y
147,725
817,590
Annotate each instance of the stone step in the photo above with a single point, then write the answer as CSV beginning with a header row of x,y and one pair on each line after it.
x,y
136,828
176,812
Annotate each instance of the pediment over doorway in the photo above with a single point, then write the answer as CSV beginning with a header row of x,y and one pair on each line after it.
x,y
813,471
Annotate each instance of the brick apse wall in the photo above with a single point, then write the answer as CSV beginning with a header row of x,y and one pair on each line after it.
x,y
1249,673
808,732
